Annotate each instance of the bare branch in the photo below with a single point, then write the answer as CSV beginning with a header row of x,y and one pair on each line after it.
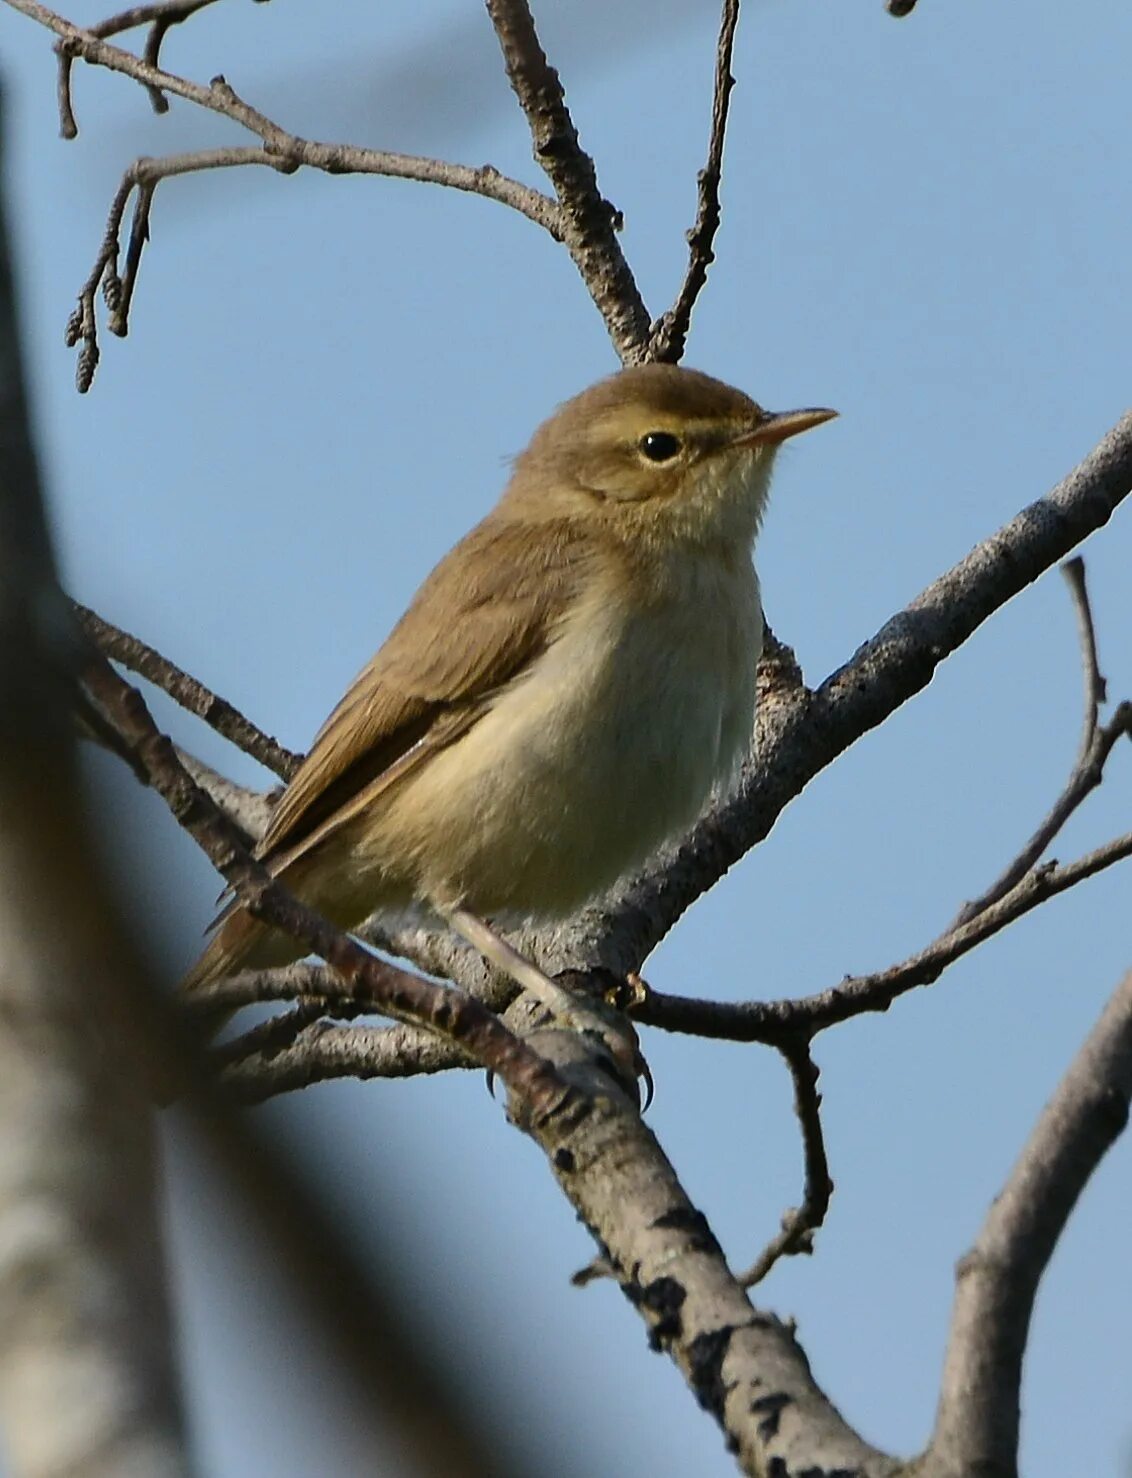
x,y
589,222
160,17
977,1422
323,1052
250,810
1096,689
801,1222
1096,745
670,334
281,150
140,180
775,1022
744,1365
271,1037
396,993
190,693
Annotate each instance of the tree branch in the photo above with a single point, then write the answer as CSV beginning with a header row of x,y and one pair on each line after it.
x,y
160,17
976,1427
1096,745
801,1222
190,693
396,993
775,1022
281,150
322,1052
589,222
744,1366
670,334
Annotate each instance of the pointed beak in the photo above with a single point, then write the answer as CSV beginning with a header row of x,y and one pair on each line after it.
x,y
776,427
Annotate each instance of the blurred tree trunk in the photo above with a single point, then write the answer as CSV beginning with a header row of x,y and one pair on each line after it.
x,y
87,1382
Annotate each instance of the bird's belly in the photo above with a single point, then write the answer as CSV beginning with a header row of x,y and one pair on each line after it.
x,y
609,745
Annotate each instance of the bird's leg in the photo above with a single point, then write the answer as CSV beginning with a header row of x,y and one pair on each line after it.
x,y
563,1005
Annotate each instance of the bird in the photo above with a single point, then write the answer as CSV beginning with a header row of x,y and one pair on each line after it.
x,y
564,693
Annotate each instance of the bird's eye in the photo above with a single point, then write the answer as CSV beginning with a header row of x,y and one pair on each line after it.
x,y
659,446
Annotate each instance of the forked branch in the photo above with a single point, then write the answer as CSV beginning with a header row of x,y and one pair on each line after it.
x,y
160,17
281,150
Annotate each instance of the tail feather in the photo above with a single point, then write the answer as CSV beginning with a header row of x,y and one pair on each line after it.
x,y
241,943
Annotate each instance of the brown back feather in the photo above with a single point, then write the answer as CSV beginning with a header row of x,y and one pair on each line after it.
x,y
482,615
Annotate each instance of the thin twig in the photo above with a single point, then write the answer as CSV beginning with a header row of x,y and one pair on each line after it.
x,y
268,1038
1096,689
1097,743
801,1222
160,16
140,180
977,1422
590,222
191,694
670,334
282,151
776,1022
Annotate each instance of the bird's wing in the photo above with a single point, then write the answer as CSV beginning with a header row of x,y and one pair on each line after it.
x,y
485,612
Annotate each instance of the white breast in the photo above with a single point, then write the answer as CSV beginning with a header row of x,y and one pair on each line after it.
x,y
606,747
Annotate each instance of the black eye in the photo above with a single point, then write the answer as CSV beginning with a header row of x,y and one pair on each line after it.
x,y
659,446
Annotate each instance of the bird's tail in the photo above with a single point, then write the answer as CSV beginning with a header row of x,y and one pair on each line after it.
x,y
241,943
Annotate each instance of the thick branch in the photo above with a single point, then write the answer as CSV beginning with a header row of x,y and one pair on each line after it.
x,y
744,1366
977,1422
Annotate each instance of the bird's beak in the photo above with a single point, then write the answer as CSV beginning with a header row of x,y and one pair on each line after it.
x,y
775,427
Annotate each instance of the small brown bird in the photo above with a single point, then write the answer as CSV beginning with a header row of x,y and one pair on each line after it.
x,y
563,694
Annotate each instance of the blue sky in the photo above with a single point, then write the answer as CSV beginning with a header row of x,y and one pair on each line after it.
x,y
925,225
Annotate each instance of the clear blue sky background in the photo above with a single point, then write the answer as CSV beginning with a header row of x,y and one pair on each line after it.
x,y
926,225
